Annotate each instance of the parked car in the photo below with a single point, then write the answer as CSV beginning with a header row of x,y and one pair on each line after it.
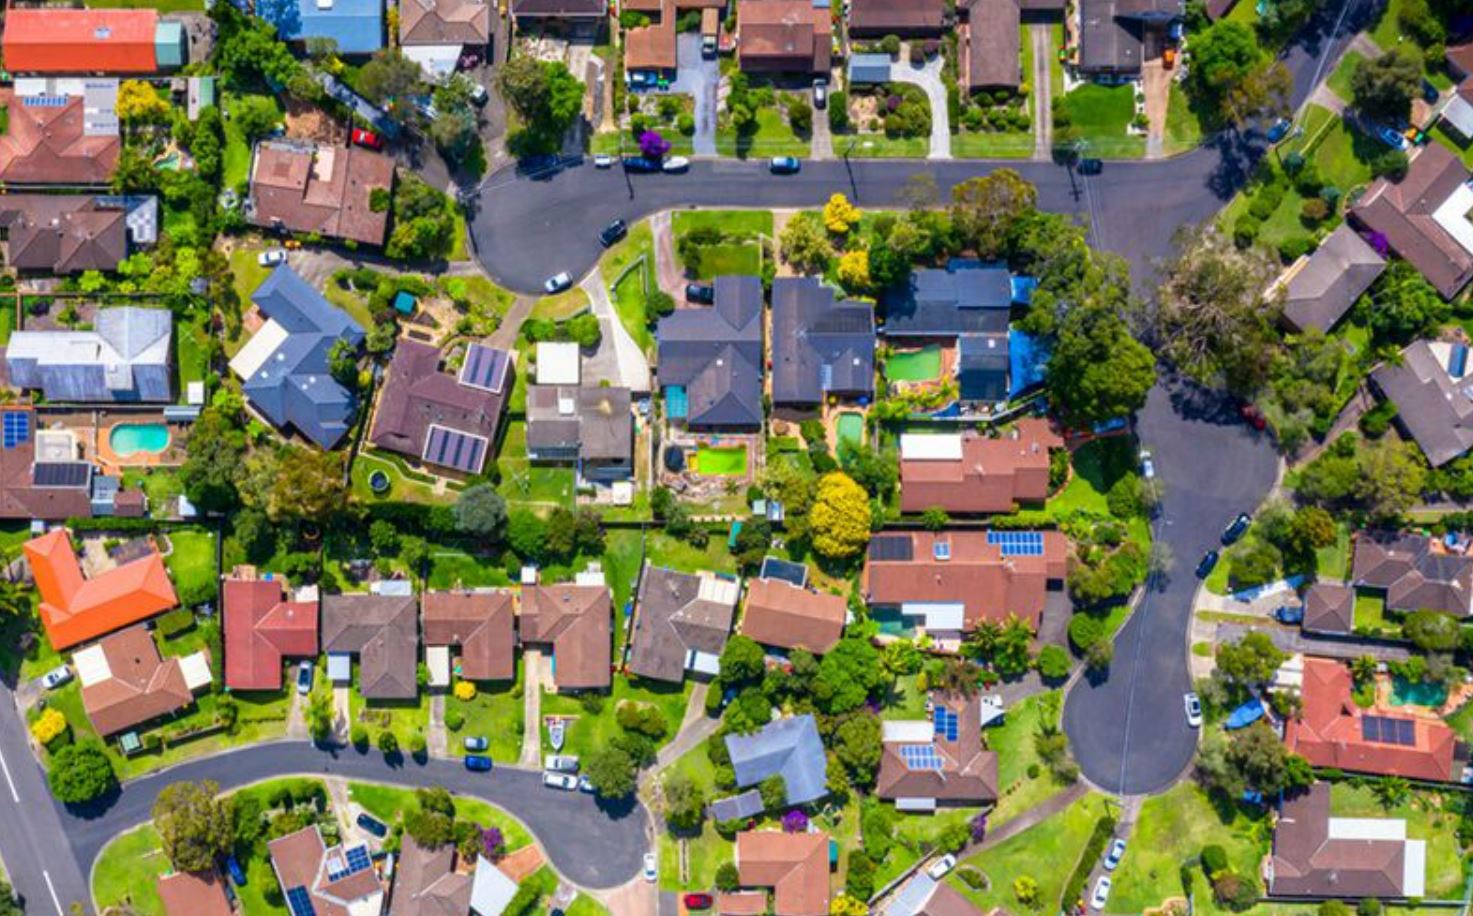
x,y
304,677
698,901
1101,894
1289,614
708,46
641,164
1279,130
675,164
1115,853
478,763
56,677
1236,528
1148,466
651,867
233,869
703,293
1392,137
1193,706
613,232
585,785
784,165
940,867
820,93
565,781
368,138
558,282
371,824
1204,568
1091,166
271,257
479,95
603,161
476,743
560,763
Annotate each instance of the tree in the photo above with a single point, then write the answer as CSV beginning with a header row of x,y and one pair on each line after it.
x,y
774,792
320,712
1393,474
431,828
1099,655
727,878
848,675
840,519
1098,371
80,773
525,533
804,244
1253,759
685,803
1053,662
195,825
611,771
1231,74
388,743
481,511
857,745
9,904
742,661
255,116
985,209
652,145
139,103
1432,631
1383,87
392,81
309,486
1402,305
854,270
839,215
213,462
546,96
1251,660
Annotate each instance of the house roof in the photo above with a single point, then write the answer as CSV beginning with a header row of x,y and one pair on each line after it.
x,y
678,614
1410,216
595,421
974,473
909,17
1310,860
925,896
715,353
902,568
302,860
1111,33
1459,59
126,683
819,346
444,22
784,35
556,9
418,395
51,142
383,631
965,297
426,883
1329,607
960,771
794,865
75,609
577,621
1321,290
356,26
787,747
481,623
1332,731
51,40
64,233
1414,576
199,893
124,357
994,45
652,47
779,613
1433,406
263,626
742,903
307,187
20,497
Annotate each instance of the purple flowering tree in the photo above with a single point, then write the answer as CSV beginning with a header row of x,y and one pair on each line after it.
x,y
493,844
652,145
795,821
979,828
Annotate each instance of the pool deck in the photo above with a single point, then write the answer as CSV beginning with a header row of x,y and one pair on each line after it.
x,y
172,455
1456,698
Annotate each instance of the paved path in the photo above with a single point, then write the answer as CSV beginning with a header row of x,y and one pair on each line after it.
x,y
505,335
695,728
822,141
1041,35
668,272
1030,818
629,369
531,708
928,77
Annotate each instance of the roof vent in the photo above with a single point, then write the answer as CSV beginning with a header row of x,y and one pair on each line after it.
x,y
102,33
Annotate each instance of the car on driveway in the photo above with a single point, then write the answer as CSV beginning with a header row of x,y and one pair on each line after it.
x,y
603,161
476,743
370,824
940,867
1115,854
675,164
56,677
478,763
1279,130
784,165
557,283
271,257
1101,894
651,867
1236,528
1193,707
367,138
560,763
697,901
820,93
1206,564
613,232
304,678
565,781
703,293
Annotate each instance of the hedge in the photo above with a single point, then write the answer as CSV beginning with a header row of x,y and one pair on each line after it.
x,y
175,622
1074,890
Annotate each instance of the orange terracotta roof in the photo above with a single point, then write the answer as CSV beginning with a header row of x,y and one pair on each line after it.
x,y
75,609
193,894
794,865
780,613
71,41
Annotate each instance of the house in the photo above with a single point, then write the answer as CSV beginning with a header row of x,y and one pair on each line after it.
x,y
480,623
905,18
950,581
820,348
193,893
434,33
1329,607
785,36
649,50
1318,855
60,132
968,473
125,358
990,43
925,896
300,186
590,428
788,616
285,369
426,882
1413,575
1424,217
794,865
789,748
353,27
265,624
559,362
940,760
49,40
1433,404
575,621
681,622
710,359
1332,731
43,476
71,233
316,879
1320,288
446,420
383,631
75,609
1117,36
584,13
492,890
125,682
1457,113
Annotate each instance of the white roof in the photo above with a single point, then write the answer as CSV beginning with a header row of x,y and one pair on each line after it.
x,y
491,889
398,588
195,393
1452,216
196,670
437,659
721,591
703,662
92,667
258,349
927,447
937,615
557,363
339,667
915,804
437,61
1459,114
908,731
1367,828
590,577
1414,869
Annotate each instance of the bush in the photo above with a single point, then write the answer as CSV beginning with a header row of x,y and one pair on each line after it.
x,y
1314,210
1390,164
1375,422
454,719
1053,663
727,878
838,111
465,691
48,727
1104,829
1245,230
1084,631
1292,249
175,622
1214,859
1234,891
890,45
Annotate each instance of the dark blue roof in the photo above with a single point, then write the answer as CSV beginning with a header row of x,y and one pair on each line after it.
x,y
982,367
356,25
965,297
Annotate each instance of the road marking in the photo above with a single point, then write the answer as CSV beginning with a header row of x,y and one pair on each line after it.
x,y
52,888
14,796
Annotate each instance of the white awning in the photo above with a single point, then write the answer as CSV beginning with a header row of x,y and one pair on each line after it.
x,y
196,670
437,61
915,804
1367,828
437,659
936,615
339,668
703,662
491,889
92,666
1414,869
926,447
258,349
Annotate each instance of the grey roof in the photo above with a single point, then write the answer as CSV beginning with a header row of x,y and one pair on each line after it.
x,y
674,619
1413,575
1327,285
125,358
1434,408
734,807
63,233
869,68
1111,32
819,346
716,355
982,367
599,427
1329,607
383,631
788,747
965,297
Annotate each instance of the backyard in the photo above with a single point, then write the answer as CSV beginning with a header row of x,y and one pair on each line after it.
x,y
1046,853
536,485
404,484
191,564
1425,819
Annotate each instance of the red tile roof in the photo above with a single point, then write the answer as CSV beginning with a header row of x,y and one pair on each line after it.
x,y
193,894
794,865
784,35
481,624
261,628
75,609
320,188
54,40
992,475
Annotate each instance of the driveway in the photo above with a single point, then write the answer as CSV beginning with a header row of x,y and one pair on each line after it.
x,y
1294,641
618,356
700,78
929,78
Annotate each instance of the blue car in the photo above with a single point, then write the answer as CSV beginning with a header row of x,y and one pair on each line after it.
x,y
478,763
237,874
1279,130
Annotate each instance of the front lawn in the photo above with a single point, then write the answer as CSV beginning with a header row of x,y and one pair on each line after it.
x,y
1013,742
389,803
1339,81
991,145
633,284
736,223
495,714
731,244
248,275
1183,127
773,137
879,146
1097,466
1101,114
593,726
1046,852
127,870
721,461
917,835
1425,820
404,718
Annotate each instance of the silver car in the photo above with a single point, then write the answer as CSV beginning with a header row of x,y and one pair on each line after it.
x,y
565,781
56,677
557,283
560,763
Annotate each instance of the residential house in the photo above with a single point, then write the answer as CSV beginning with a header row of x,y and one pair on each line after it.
x,y
1333,731
787,616
426,882
61,131
1413,574
1457,113
589,428
383,632
322,880
785,36
681,622
821,349
446,420
649,50
50,40
794,865
1459,60
575,622
481,623
905,18
265,624
1424,217
710,359
285,369
990,43
1329,607
300,186
923,895
44,476
1117,36
969,473
125,682
1433,403
71,233
354,27
76,609
435,33
1318,855
125,358
1319,288
193,893
584,14
790,748
948,582
940,760
492,890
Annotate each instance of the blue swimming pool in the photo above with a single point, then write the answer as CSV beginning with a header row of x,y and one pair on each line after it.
x,y
893,623
128,439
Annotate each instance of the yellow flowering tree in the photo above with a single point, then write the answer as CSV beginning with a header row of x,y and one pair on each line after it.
x,y
845,905
138,102
840,519
854,270
465,690
839,215
50,725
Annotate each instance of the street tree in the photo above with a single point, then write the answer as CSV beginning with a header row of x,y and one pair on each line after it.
x,y
1383,87
546,96
1098,370
80,773
611,771
984,210
195,825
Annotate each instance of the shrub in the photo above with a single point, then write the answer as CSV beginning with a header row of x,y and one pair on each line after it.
x,y
1053,663
49,726
1314,210
727,878
890,45
1214,859
1085,631
1291,249
175,622
1245,230
1375,422
1234,891
1104,829
358,736
465,690
686,123
454,719
838,111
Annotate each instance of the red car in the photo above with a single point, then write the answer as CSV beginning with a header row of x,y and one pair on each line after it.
x,y
367,138
698,901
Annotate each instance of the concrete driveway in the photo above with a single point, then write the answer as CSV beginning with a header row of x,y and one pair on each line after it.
x,y
700,78
929,78
618,357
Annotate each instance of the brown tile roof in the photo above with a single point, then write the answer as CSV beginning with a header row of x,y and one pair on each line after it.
x,y
193,894
1329,607
968,773
977,575
947,901
262,627
1325,285
481,623
1412,573
677,613
1431,405
652,47
992,475
1402,212
62,234
742,903
300,860
991,49
784,35
319,188
779,613
555,9
1307,862
1329,731
600,429
426,884
46,144
576,620
444,22
383,631
143,686
21,498
872,18
1460,59
794,865
417,393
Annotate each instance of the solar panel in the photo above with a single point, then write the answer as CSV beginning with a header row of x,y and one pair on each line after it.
x,y
485,368
17,428
358,859
1388,731
786,570
891,547
1406,732
452,448
1017,543
946,723
920,757
1370,728
62,474
300,902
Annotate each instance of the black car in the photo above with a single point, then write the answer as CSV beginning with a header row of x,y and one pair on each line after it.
x,y
613,232
373,825
1236,528
1204,568
703,293
1091,166
641,164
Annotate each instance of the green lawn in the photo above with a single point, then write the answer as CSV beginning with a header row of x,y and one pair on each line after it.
x,y
719,260
1370,609
1102,114
1097,466
1339,81
879,146
921,365
190,340
1333,562
402,486
773,137
564,305
531,484
589,731
704,853
1183,127
495,714
632,285
163,6
1425,821
722,461
906,701
8,315
237,155
1459,146
388,803
991,145
1013,742
1387,31
403,717
917,835
248,275
1047,853
742,224
126,872
740,252
453,568
191,564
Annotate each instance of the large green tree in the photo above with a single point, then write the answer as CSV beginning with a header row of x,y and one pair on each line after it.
x,y
1098,371
612,772
1383,87
545,96
213,464
80,773
985,209
481,511
195,825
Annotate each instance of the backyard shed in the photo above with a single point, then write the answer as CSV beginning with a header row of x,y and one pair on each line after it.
x,y
869,69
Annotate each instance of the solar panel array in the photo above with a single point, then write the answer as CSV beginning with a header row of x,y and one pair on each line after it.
x,y
946,723
786,570
1388,731
452,448
358,859
62,474
300,902
485,368
17,427
45,101
891,547
1017,543
920,757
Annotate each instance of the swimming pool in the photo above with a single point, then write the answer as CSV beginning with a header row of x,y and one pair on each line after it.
x,y
893,623
128,439
1422,693
851,428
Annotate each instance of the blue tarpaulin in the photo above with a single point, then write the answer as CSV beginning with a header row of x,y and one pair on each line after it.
x,y
1027,359
1023,288
1245,715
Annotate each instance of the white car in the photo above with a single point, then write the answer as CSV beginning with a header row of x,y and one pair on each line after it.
x,y
56,677
603,161
557,283
560,763
1116,853
675,164
1101,894
940,867
651,867
271,257
1148,465
1193,707
565,781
